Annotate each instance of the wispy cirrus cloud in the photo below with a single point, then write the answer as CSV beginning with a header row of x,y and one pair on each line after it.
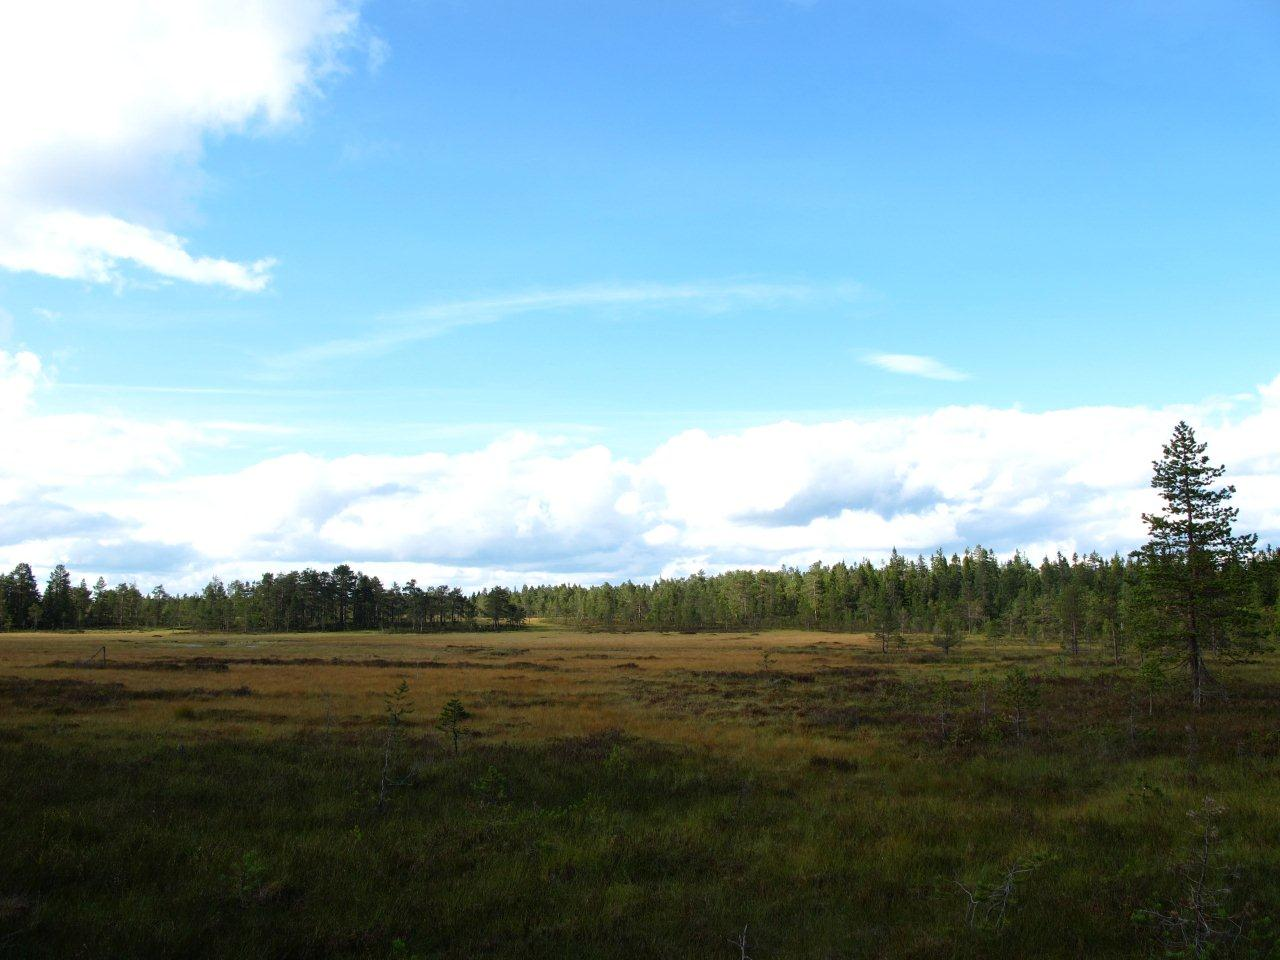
x,y
914,365
434,319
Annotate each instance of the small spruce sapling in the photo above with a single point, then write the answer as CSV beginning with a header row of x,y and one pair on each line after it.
x,y
984,689
1154,679
942,695
247,875
400,951
398,705
1021,697
491,786
452,715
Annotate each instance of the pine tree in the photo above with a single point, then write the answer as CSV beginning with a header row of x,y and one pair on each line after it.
x,y
1192,563
946,630
888,610
22,597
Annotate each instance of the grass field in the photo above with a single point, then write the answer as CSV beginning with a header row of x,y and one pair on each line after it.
x,y
615,795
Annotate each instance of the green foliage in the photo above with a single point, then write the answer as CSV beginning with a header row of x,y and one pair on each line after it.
x,y
452,716
1153,676
1209,917
1194,584
400,951
991,899
618,762
947,632
1021,696
21,593
497,605
985,690
888,605
1078,601
247,875
397,704
1147,793
491,786
299,600
941,698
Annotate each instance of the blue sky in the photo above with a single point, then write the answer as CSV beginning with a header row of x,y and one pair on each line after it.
x,y
601,225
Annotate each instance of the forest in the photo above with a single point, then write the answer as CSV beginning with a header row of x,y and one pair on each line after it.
x,y
1076,600
297,601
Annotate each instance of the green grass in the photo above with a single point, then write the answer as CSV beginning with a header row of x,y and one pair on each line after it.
x,y
224,814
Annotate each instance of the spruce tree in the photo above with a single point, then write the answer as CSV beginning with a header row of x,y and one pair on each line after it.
x,y
58,611
1192,563
452,716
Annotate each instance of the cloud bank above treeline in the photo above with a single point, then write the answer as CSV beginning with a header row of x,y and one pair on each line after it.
x,y
116,496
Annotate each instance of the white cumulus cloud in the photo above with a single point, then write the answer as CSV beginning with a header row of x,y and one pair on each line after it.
x,y
108,106
116,496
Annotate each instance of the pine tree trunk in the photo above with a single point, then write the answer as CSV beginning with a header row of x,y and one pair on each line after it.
x,y
1197,673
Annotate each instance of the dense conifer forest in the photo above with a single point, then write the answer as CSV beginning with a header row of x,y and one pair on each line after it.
x,y
306,600
1075,600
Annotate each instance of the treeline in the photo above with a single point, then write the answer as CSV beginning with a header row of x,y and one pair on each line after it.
x,y
305,600
1077,600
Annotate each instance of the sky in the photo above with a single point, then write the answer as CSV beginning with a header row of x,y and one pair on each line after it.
x,y
490,292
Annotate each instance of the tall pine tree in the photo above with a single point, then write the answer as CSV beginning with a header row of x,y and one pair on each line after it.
x,y
1191,565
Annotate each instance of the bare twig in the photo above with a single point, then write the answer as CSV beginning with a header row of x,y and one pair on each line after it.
x,y
989,903
1200,923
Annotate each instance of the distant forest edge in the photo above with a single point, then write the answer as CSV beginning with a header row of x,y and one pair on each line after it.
x,y
1077,600
1195,584
299,601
